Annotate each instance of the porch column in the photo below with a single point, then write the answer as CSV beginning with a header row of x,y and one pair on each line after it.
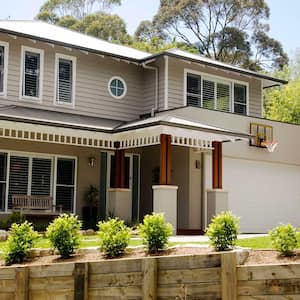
x,y
165,194
217,198
119,196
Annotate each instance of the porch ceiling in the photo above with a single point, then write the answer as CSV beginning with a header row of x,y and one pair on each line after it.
x,y
69,129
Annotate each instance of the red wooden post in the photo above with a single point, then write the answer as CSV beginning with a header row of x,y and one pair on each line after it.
x,y
217,180
165,159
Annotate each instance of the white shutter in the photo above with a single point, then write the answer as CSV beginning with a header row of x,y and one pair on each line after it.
x,y
208,94
2,49
65,80
223,97
31,74
18,177
41,176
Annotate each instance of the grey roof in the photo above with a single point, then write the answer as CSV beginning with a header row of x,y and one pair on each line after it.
x,y
57,34
54,34
39,116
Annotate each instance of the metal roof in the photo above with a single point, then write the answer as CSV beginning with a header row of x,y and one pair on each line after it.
x,y
59,35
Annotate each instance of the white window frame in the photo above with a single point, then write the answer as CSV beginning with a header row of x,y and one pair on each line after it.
x,y
38,99
125,87
216,79
6,51
32,155
74,62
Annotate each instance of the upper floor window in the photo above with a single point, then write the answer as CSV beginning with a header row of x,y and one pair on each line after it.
x,y
216,93
117,87
65,79
3,67
32,73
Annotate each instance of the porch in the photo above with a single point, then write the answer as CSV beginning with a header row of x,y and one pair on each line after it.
x,y
149,165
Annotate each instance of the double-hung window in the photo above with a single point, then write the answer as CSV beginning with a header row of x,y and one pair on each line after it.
x,y
216,93
32,73
37,175
3,67
65,79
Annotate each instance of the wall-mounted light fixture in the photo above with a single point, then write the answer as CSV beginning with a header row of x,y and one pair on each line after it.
x,y
92,161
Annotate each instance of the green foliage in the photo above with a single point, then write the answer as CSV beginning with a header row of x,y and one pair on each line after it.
x,y
20,240
284,239
114,237
64,234
223,231
155,232
232,31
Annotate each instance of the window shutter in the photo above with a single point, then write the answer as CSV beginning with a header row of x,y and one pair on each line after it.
x,y
41,176
223,97
3,166
31,74
65,81
1,69
18,177
193,89
208,94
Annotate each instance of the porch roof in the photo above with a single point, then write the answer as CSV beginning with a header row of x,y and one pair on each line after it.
x,y
72,129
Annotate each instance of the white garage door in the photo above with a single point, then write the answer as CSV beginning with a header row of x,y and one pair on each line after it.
x,y
262,194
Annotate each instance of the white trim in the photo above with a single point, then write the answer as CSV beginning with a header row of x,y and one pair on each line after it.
x,y
166,95
218,79
124,84
6,57
38,99
74,63
30,156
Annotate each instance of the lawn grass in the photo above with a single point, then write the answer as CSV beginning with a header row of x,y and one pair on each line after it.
x,y
263,242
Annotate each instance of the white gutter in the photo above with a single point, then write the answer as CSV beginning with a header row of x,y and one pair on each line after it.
x,y
166,98
145,66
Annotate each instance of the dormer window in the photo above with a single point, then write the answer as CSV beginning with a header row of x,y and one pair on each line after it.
x,y
65,80
3,67
211,92
32,72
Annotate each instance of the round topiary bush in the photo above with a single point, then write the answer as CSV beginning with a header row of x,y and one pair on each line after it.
x,y
223,230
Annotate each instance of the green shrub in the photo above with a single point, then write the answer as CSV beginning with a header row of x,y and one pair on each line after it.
x,y
20,240
155,232
64,235
114,237
223,230
284,239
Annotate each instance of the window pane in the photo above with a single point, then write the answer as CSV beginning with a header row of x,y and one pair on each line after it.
x,y
117,87
32,74
65,171
240,108
18,177
208,94
193,89
1,69
65,75
3,165
64,197
41,176
223,97
240,93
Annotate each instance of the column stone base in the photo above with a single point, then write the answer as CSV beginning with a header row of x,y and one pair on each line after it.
x,y
217,201
119,203
165,201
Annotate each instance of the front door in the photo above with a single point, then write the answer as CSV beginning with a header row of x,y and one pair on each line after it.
x,y
132,179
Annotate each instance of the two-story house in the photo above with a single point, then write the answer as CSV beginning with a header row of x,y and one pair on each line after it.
x,y
172,132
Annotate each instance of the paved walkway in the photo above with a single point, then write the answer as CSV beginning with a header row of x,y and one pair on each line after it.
x,y
203,238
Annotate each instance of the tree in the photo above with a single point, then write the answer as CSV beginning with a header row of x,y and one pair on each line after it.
x,y
232,31
76,8
146,31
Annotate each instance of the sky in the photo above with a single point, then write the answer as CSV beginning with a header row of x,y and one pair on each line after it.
x,y
284,20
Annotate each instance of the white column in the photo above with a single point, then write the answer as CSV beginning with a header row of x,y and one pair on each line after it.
x,y
217,201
